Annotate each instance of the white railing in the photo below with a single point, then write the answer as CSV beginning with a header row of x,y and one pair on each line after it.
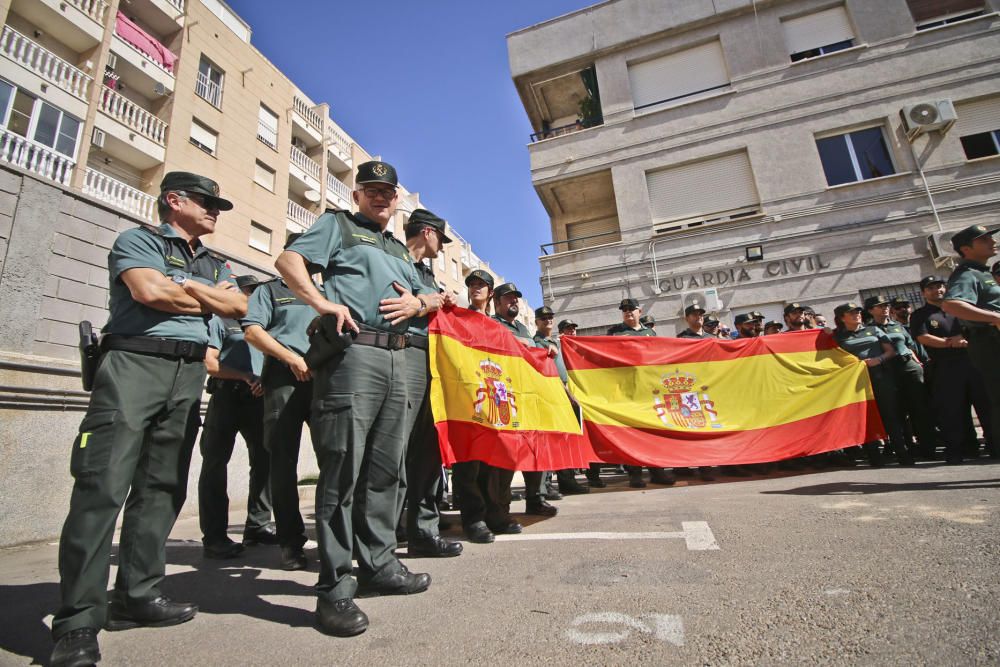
x,y
132,115
208,90
266,134
177,4
302,108
44,63
338,187
95,9
119,195
300,215
38,159
305,163
144,55
338,142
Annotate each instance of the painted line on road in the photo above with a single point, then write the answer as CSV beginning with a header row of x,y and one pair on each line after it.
x,y
696,534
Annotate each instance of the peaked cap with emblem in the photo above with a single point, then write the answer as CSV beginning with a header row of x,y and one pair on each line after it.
x,y
647,321
969,234
482,275
375,171
422,216
876,300
506,288
185,181
773,324
792,307
628,304
899,301
693,308
566,324
542,312
927,281
845,308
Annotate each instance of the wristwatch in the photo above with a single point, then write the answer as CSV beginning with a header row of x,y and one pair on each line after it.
x,y
179,279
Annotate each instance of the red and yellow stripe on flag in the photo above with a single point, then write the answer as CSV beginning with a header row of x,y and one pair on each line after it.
x,y
701,402
498,401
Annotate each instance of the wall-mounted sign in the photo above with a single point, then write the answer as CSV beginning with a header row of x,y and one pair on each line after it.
x,y
743,274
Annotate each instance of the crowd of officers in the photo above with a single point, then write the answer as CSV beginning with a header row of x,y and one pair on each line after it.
x,y
349,357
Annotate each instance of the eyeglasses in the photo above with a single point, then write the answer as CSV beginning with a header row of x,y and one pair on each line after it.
x,y
200,200
386,193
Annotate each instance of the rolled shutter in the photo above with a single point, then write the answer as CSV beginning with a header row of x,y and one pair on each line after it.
x,y
702,189
606,226
977,117
678,75
815,30
923,10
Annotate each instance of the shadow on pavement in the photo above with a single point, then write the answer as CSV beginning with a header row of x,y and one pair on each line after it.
x,y
22,610
865,488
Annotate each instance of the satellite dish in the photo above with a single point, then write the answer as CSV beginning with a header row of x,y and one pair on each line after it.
x,y
924,114
312,196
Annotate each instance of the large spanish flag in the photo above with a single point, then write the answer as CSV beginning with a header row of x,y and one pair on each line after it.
x,y
498,401
705,402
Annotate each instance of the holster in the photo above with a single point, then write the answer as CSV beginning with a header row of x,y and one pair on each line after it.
x,y
324,341
90,355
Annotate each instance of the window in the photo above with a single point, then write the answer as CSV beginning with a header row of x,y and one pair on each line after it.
x,y
208,85
684,74
204,137
455,273
855,156
440,259
32,118
909,291
267,127
263,175
818,34
934,13
260,237
978,127
705,192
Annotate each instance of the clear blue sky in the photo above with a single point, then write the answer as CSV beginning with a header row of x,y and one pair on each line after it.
x,y
426,85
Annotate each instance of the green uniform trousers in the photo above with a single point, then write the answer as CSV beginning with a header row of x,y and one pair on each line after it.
x,y
420,483
358,432
887,399
286,409
909,378
134,449
984,351
231,410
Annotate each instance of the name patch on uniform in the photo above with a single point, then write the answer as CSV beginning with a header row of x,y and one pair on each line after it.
x,y
366,239
285,299
176,261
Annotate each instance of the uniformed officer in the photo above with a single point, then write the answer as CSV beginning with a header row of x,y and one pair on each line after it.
x,y
900,310
711,327
136,439
694,315
631,326
973,296
772,327
567,327
276,324
908,374
749,325
955,383
870,344
648,321
425,239
236,406
370,290
795,317
479,284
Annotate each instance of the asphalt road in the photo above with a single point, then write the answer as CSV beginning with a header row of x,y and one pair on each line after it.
x,y
849,567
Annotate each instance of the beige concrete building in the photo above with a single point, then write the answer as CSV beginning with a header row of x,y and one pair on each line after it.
x,y
747,154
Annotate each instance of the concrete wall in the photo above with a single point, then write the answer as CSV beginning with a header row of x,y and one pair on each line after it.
x,y
53,273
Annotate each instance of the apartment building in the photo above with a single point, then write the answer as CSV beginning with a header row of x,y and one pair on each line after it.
x,y
748,154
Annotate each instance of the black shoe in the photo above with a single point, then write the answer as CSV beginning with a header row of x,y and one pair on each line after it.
x,y
340,618
735,471
265,535
552,494
636,482
596,482
662,477
222,550
705,474
539,507
156,613
517,495
433,547
573,488
509,528
400,582
293,558
479,533
76,648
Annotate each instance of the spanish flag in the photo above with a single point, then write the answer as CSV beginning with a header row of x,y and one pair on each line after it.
x,y
498,401
704,402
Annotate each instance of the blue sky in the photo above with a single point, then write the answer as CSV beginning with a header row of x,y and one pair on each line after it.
x,y
426,85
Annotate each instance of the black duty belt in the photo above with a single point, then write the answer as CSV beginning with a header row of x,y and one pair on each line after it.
x,y
177,349
418,341
389,341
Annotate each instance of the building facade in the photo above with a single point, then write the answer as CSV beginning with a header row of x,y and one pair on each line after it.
x,y
744,155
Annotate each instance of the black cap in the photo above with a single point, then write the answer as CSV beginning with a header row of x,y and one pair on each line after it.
x,y
845,308
930,280
185,181
628,304
506,288
377,172
899,301
876,300
968,235
996,267
566,324
710,322
422,216
693,308
542,312
772,323
247,281
482,275
743,318
647,321
792,307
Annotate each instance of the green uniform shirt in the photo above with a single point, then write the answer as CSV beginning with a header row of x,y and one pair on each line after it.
x,y
625,330
971,282
687,333
276,309
899,337
519,330
359,263
165,251
226,336
418,325
541,341
865,343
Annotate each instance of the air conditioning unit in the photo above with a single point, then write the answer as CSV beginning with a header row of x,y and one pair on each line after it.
x,y
926,116
160,89
112,61
939,245
97,138
706,298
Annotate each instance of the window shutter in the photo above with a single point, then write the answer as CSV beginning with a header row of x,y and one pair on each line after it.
x,y
977,117
263,175
260,237
815,30
203,135
575,230
702,189
923,10
678,74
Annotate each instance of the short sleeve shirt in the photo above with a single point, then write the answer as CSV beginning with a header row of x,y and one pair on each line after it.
x,y
359,263
931,320
519,330
865,343
972,282
165,251
543,342
623,330
226,336
899,337
418,325
285,317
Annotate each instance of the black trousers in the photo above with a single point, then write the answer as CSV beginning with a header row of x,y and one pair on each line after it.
x,y
482,492
286,408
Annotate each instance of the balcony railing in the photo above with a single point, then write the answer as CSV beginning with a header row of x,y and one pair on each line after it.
x,y
338,187
132,115
95,9
303,109
125,197
300,215
36,158
44,63
550,132
338,142
267,135
177,4
208,90
305,163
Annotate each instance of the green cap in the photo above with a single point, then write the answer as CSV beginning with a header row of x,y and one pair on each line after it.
x,y
693,308
968,235
647,321
482,275
628,304
543,312
876,300
377,172
422,216
185,181
899,301
506,288
566,324
845,308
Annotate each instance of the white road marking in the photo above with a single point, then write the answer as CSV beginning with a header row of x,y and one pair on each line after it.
x,y
696,534
664,627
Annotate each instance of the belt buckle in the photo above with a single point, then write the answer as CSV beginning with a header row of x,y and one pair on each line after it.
x,y
397,341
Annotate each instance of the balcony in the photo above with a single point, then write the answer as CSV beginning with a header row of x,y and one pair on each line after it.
x,y
121,196
565,104
338,148
304,173
143,62
308,120
36,158
79,24
338,193
133,116
45,64
208,90
132,134
300,216
162,16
